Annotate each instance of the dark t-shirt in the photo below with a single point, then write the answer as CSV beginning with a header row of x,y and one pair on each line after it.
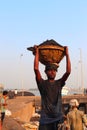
x,y
51,101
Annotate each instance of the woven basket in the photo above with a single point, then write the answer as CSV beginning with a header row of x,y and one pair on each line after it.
x,y
50,52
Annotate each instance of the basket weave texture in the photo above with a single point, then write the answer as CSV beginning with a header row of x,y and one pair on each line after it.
x,y
50,52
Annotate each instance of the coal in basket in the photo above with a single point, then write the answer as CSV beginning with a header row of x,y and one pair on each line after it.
x,y
49,52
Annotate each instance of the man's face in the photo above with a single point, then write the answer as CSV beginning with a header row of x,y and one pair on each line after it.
x,y
51,74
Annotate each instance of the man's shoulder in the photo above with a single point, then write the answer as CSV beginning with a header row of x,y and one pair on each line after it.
x,y
77,112
81,112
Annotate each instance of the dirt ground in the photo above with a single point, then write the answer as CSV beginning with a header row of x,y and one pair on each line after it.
x,y
15,105
11,124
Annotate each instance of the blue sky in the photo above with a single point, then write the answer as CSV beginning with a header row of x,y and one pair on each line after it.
x,y
24,23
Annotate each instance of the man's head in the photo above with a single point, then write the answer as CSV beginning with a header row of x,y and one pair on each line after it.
x,y
5,92
51,66
74,103
51,70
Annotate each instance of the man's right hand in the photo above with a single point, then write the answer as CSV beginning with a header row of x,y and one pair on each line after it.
x,y
66,50
35,49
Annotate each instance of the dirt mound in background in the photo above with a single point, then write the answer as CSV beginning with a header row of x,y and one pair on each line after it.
x,y
11,124
22,109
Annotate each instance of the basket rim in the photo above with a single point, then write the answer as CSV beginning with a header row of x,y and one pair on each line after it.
x,y
47,48
51,48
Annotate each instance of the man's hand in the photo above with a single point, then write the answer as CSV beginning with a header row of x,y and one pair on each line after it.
x,y
66,50
35,49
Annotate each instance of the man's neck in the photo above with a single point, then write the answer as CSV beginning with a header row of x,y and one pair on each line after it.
x,y
51,80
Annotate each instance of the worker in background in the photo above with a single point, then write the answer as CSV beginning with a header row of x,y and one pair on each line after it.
x,y
76,118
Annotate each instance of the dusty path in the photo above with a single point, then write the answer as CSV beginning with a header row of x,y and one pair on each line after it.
x,y
14,105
